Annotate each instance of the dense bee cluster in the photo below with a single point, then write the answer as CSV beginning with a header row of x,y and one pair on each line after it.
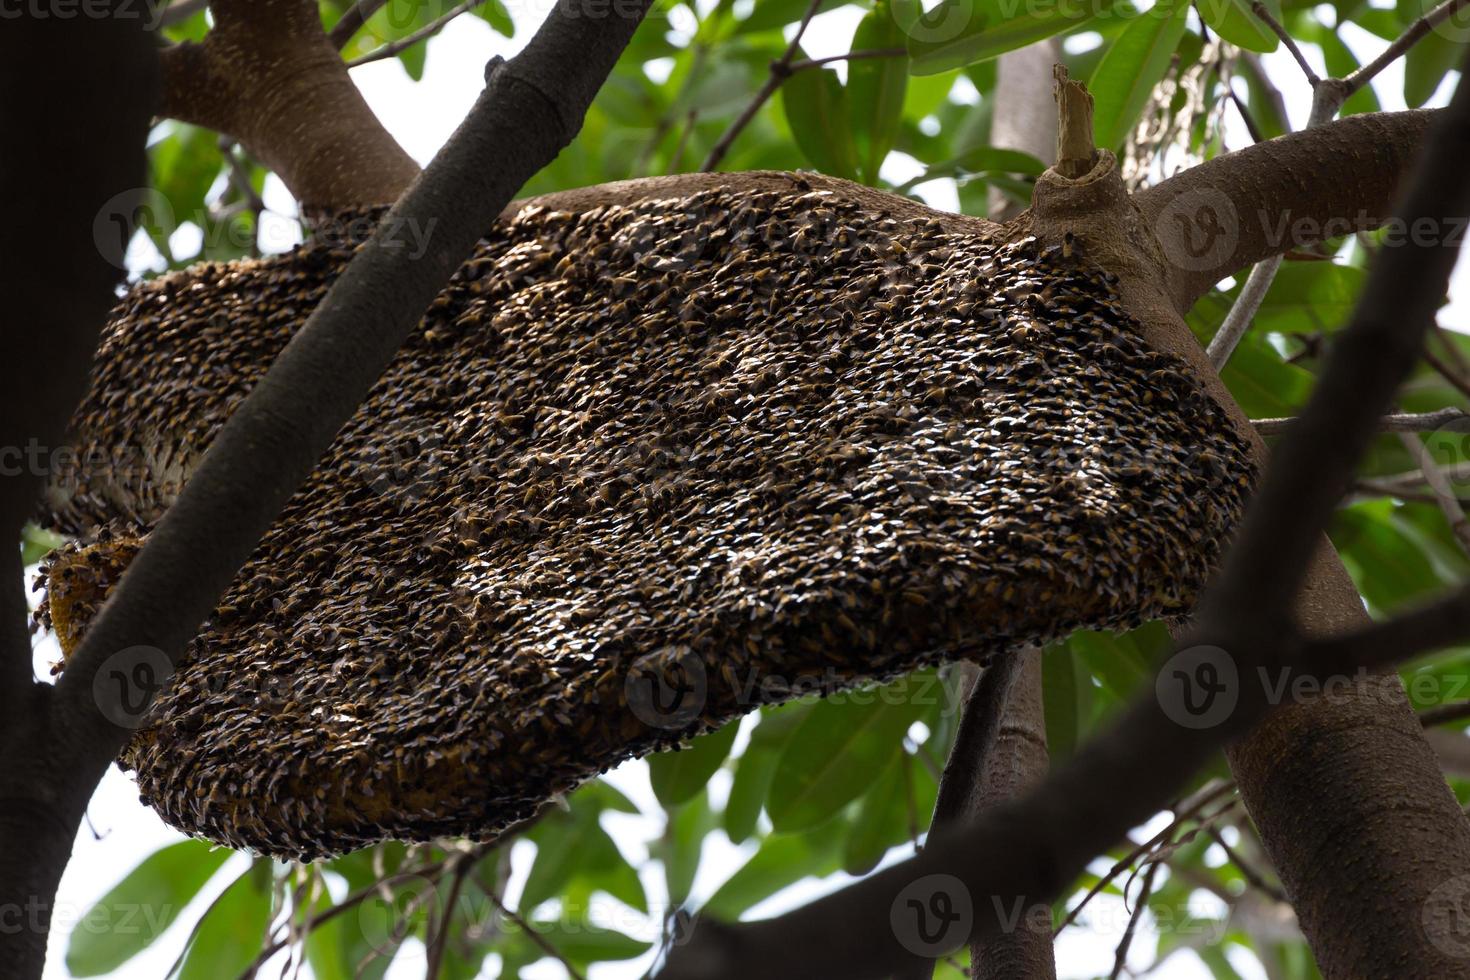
x,y
639,469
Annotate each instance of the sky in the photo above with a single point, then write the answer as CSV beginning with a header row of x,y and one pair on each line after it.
x,y
120,832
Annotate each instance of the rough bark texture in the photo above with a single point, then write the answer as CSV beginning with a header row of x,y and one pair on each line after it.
x,y
269,77
81,95
1016,763
1230,212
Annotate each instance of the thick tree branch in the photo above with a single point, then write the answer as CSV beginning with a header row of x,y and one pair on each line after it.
x,y
268,76
1235,210
1034,848
82,94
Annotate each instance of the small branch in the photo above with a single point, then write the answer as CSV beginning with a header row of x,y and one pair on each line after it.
x,y
439,942
1185,811
1120,957
392,48
1397,422
352,21
1443,714
1455,379
1444,494
1246,869
780,71
1411,36
1259,9
542,943
797,66
1247,304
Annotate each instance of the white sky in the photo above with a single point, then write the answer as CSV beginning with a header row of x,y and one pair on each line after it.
x,y
422,116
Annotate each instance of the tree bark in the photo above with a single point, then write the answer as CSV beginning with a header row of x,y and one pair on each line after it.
x,y
1022,117
268,76
1228,213
81,94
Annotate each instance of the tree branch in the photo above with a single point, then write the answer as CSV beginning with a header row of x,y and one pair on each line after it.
x,y
352,21
268,77
1394,422
1235,210
780,71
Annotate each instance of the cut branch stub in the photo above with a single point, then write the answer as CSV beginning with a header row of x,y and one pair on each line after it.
x,y
643,467
1076,154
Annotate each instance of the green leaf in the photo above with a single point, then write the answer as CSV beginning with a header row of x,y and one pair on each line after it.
x,y
1426,65
876,88
756,767
581,942
575,856
770,14
960,32
1310,296
1264,384
1237,23
831,758
816,110
1390,568
781,861
679,776
232,933
139,908
1133,64
901,800
682,845
1064,688
36,543
493,12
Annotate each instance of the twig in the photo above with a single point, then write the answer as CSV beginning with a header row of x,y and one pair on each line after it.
x,y
439,942
1238,320
1207,794
181,11
1247,871
1456,380
809,63
1443,714
1326,100
1444,494
1397,422
392,48
1120,957
1257,135
544,944
780,71
1259,9
1411,36
352,21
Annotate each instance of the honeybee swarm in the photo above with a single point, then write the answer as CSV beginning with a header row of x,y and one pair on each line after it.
x,y
767,441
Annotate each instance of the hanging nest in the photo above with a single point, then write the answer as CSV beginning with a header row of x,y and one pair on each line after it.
x,y
639,470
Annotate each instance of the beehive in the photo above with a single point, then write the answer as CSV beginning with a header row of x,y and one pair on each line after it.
x,y
640,469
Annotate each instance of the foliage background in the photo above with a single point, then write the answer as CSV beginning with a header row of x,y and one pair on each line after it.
x,y
763,814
